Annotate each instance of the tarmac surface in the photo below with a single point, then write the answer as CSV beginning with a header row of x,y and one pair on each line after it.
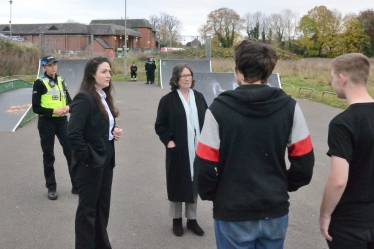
x,y
139,208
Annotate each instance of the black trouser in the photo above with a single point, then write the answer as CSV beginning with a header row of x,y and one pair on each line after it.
x,y
345,237
94,189
148,73
133,74
152,76
48,129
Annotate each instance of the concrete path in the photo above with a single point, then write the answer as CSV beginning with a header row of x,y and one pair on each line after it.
x,y
139,211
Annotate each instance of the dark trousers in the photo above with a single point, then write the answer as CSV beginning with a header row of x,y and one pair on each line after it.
x,y
94,189
148,73
152,77
133,74
345,237
48,129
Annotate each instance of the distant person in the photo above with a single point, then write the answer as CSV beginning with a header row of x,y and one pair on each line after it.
x,y
91,132
180,117
150,68
147,71
240,154
153,70
133,70
347,210
50,100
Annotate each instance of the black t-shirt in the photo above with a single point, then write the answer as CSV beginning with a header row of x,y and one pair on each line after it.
x,y
351,136
133,69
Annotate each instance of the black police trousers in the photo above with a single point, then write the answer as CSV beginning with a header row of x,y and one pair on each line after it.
x,y
48,129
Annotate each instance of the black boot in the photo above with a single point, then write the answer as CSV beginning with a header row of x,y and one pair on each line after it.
x,y
177,227
196,229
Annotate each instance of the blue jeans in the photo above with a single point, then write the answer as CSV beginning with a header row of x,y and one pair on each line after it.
x,y
254,234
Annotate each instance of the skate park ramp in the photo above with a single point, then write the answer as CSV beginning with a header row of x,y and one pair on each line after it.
x,y
72,71
166,69
15,104
212,84
16,95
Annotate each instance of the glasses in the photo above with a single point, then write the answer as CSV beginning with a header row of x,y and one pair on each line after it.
x,y
189,76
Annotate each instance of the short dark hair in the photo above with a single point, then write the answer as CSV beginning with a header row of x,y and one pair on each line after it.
x,y
176,75
255,60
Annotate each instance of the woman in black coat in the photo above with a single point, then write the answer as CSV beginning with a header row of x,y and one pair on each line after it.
x,y
91,133
180,118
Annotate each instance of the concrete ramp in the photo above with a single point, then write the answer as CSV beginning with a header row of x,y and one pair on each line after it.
x,y
72,71
166,69
212,84
15,106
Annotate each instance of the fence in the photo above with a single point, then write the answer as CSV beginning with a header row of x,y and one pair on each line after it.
x,y
185,47
84,47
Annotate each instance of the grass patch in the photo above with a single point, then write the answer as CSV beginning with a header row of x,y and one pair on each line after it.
x,y
310,73
317,95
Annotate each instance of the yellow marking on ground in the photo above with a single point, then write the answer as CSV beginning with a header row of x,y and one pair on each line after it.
x,y
18,109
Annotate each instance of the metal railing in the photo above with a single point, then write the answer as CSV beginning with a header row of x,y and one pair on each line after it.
x,y
328,93
310,89
293,88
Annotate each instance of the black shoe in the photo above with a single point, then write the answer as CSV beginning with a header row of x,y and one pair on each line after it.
x,y
52,195
196,229
74,191
152,82
177,227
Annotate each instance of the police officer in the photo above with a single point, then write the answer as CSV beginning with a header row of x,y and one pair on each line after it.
x,y
50,99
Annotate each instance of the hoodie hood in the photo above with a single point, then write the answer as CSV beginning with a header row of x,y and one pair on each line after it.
x,y
254,100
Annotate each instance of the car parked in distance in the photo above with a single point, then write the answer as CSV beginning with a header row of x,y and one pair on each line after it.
x,y
71,52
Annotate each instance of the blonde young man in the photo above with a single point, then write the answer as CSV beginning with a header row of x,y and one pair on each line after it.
x,y
347,209
50,99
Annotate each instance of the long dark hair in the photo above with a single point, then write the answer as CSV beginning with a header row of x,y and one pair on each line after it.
x,y
176,75
88,84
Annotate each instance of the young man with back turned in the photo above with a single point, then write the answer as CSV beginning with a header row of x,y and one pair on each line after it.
x,y
240,155
347,210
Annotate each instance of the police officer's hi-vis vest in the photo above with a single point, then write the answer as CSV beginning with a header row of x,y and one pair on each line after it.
x,y
55,96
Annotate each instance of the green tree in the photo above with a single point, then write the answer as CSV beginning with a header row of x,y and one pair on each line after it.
x,y
366,18
319,29
226,25
353,39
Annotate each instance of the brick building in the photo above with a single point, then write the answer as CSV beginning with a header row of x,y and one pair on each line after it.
x,y
142,26
97,37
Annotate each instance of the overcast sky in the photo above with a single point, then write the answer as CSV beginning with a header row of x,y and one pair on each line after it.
x,y
192,13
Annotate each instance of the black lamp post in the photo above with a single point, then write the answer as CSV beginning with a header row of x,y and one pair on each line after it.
x,y
125,47
10,21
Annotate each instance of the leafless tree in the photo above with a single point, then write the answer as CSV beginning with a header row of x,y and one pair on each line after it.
x,y
155,21
253,24
167,26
